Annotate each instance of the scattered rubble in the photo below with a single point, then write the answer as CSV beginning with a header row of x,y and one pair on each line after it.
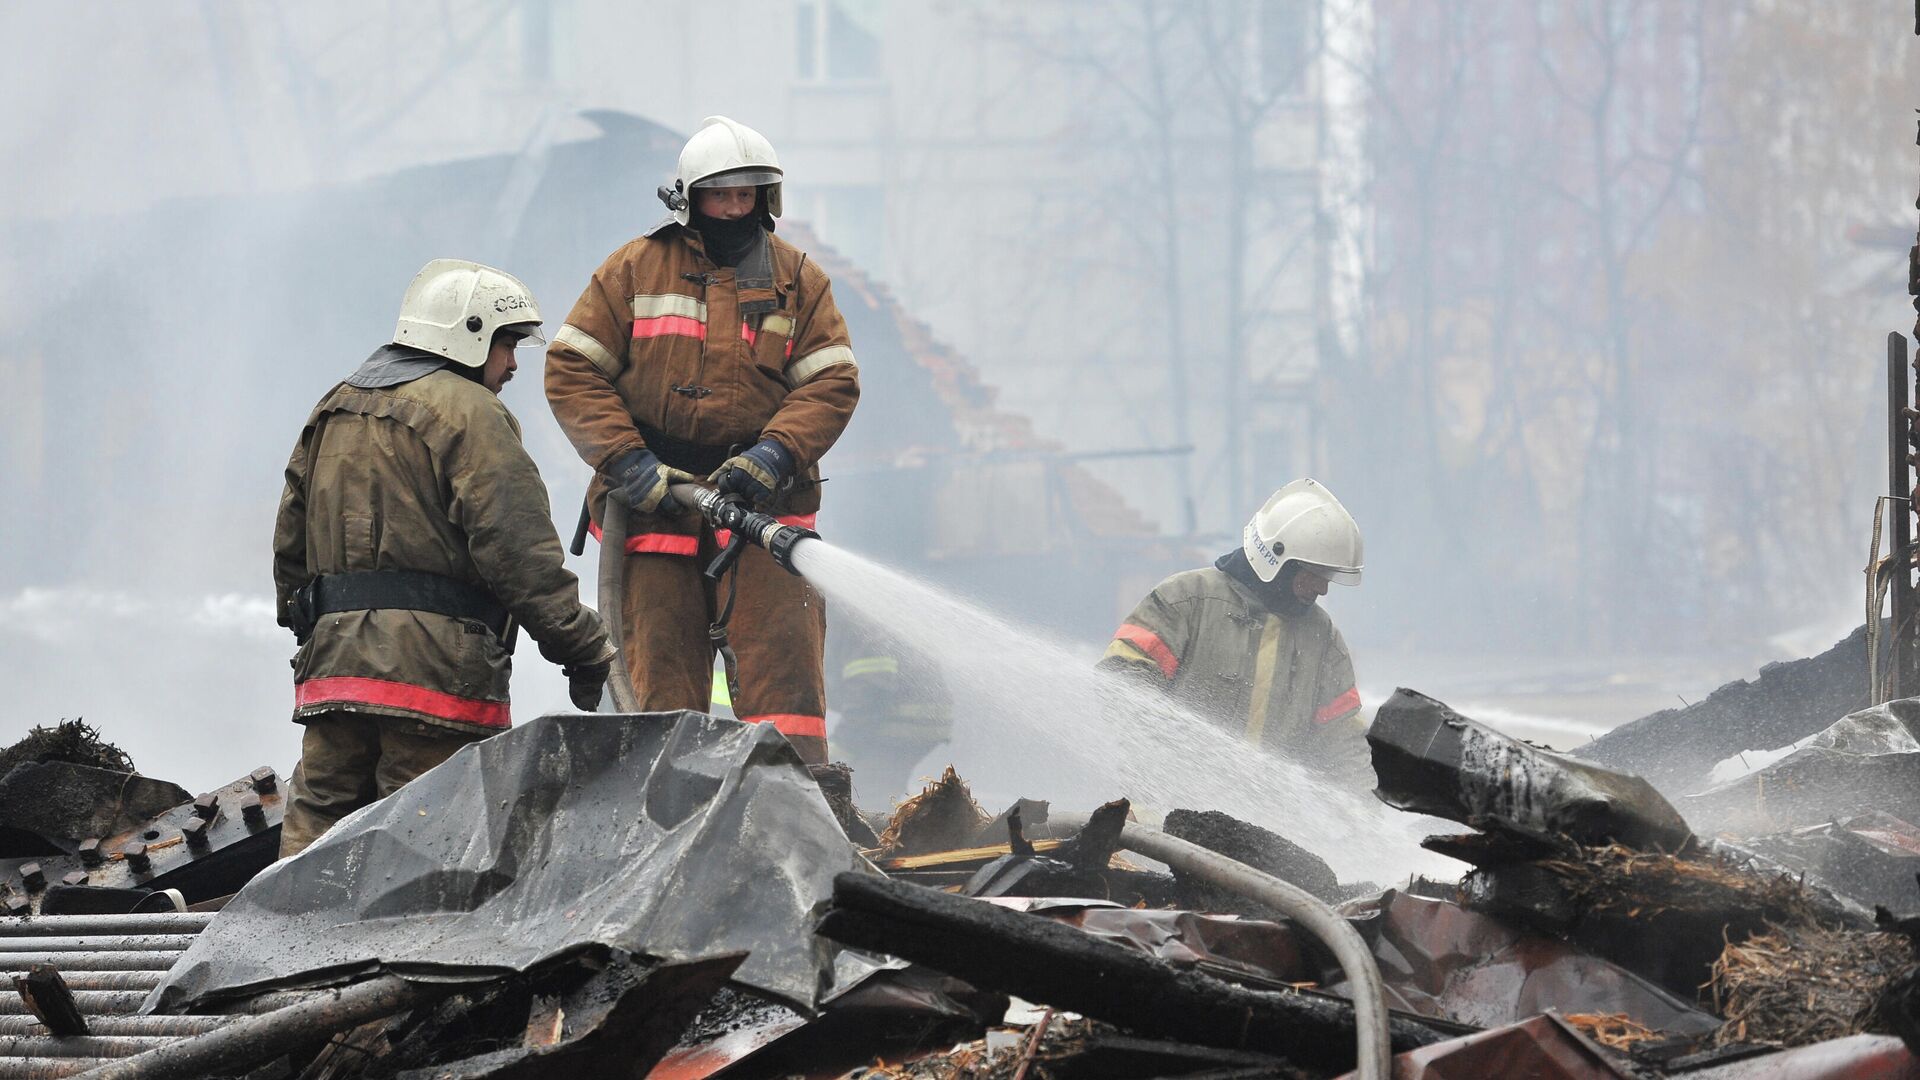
x,y
677,896
78,838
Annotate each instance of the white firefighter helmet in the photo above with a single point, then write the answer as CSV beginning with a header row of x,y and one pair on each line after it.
x,y
454,306
1304,523
723,153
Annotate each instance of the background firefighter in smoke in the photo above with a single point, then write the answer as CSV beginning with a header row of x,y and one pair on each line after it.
x,y
1245,642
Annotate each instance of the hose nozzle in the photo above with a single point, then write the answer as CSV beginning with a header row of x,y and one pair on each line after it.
x,y
762,530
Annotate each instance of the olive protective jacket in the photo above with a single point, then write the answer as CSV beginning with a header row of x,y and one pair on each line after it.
x,y
1283,680
666,350
427,475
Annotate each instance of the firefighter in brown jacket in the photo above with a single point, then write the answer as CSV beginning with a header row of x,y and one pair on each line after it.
x,y
1245,643
709,348
414,540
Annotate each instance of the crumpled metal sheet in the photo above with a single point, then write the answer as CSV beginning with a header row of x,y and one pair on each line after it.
x,y
1442,960
1856,1057
1541,1048
1887,833
1260,950
673,835
1431,760
1867,758
1868,859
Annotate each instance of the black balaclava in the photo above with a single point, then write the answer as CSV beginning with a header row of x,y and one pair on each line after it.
x,y
728,242
1277,594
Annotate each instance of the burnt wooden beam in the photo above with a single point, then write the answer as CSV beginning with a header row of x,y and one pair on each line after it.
x,y
50,1001
1051,963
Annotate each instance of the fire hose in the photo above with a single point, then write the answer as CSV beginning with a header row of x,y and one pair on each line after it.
x,y
725,514
1363,973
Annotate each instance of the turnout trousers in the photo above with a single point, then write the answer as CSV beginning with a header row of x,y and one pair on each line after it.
x,y
778,632
352,759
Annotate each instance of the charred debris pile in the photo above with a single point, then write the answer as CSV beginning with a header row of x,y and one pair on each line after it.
x,y
677,896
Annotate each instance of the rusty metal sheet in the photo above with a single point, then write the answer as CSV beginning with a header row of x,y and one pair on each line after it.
x,y
1442,960
1885,832
708,1058
1255,949
1541,1048
1856,1057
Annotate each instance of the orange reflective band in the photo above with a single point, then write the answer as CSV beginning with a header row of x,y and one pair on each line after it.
x,y
669,326
1149,642
663,544
1339,707
655,543
792,723
354,690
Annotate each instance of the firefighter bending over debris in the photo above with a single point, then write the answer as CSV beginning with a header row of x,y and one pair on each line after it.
x,y
414,538
1244,643
710,348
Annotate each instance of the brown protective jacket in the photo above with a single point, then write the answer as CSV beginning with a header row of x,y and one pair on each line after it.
x,y
667,351
426,476
1282,680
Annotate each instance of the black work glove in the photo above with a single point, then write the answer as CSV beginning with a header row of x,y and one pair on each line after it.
x,y
586,682
640,480
756,472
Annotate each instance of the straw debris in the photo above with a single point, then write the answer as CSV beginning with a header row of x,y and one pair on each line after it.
x,y
1615,1031
941,818
1792,986
75,742
1619,880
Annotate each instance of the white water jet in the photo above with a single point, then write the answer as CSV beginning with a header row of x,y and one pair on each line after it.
x,y
1032,717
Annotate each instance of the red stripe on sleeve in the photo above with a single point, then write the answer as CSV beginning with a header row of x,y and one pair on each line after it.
x,y
1149,642
1338,707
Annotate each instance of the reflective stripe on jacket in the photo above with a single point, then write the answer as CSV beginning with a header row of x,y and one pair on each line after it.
x,y
428,475
1282,680
662,340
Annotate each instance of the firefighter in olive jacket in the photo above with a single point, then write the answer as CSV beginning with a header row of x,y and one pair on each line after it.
x,y
1244,643
414,540
709,348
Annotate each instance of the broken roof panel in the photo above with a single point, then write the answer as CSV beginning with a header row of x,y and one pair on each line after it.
x,y
671,835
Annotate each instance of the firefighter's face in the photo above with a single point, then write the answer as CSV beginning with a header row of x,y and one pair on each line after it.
x,y
1308,586
500,365
725,203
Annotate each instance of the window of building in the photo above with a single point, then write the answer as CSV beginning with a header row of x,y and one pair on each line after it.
x,y
838,40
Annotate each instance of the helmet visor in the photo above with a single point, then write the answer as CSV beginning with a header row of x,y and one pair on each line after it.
x,y
739,178
1338,575
529,331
